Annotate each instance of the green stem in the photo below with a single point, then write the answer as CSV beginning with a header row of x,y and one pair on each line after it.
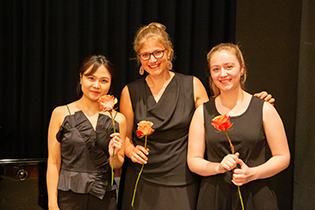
x,y
136,185
112,166
238,187
241,199
231,145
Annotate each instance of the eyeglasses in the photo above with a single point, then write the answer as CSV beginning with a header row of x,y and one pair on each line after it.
x,y
156,54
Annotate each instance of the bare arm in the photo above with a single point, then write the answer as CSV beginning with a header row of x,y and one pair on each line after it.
x,y
54,157
196,150
200,93
138,153
277,141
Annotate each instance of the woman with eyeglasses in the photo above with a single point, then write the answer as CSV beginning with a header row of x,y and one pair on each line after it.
x,y
168,99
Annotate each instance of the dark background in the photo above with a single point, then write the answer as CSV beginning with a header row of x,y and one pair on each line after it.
x,y
42,44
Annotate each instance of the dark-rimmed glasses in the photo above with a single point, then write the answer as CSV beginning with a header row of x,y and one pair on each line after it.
x,y
156,54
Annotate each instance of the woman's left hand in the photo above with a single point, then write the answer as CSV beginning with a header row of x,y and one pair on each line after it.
x,y
241,175
116,142
265,96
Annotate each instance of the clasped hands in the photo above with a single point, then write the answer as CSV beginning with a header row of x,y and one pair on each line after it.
x,y
241,172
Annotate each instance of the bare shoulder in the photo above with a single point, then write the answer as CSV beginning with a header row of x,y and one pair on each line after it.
x,y
120,118
57,116
270,113
60,112
200,93
269,108
197,81
125,92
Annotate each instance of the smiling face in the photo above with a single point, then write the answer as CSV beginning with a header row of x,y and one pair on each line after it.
x,y
225,53
154,66
225,70
96,84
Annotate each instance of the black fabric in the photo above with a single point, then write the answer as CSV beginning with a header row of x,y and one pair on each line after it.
x,y
248,138
69,200
171,118
156,197
84,154
167,166
304,170
44,42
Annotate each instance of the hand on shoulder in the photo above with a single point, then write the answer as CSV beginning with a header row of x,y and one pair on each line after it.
x,y
265,96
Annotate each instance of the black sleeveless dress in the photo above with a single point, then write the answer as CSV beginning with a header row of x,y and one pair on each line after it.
x,y
248,137
166,182
85,165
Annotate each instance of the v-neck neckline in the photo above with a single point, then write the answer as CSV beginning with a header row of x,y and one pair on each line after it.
x,y
90,122
156,102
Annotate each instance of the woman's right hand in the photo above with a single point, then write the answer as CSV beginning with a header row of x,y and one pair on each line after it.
x,y
228,163
139,154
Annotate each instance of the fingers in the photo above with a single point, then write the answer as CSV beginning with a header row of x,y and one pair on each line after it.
x,y
116,142
272,101
229,162
139,155
265,96
241,176
261,95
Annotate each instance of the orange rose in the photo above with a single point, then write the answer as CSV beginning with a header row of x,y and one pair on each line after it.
x,y
107,102
222,122
144,128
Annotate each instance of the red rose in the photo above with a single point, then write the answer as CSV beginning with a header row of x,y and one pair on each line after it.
x,y
107,102
144,128
222,122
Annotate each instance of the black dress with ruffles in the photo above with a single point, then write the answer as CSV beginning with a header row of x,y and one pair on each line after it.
x,y
84,155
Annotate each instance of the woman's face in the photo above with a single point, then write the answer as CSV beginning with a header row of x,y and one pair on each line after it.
x,y
96,85
225,70
154,66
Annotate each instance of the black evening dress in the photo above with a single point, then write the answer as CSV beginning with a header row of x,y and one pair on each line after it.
x,y
166,182
248,137
85,165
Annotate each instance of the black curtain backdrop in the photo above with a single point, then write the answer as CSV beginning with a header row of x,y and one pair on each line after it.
x,y
42,44
304,170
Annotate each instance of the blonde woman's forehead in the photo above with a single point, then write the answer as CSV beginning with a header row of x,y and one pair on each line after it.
x,y
151,45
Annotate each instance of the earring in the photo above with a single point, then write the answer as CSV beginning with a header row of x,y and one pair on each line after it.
x,y
141,70
169,65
